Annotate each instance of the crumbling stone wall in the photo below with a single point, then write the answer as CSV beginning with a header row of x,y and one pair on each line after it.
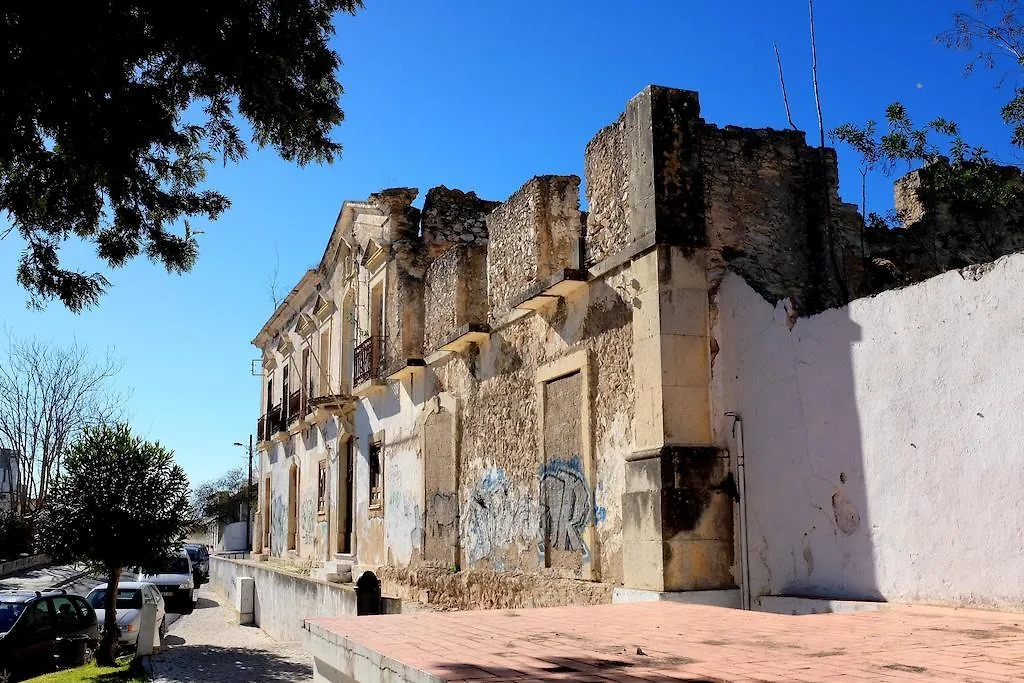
x,y
501,525
939,234
533,235
453,217
486,589
441,286
455,283
606,231
773,216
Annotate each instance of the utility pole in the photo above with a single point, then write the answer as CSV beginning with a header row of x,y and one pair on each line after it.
x,y
248,498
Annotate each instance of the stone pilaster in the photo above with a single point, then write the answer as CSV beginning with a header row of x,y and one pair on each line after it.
x,y
677,504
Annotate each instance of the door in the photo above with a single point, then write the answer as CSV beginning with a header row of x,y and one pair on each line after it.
x,y
266,515
345,499
35,634
565,491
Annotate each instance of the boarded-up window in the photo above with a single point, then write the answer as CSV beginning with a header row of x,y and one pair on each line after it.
x,y
376,475
565,492
321,489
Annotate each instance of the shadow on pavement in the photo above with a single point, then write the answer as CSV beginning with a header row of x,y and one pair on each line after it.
x,y
205,663
204,603
575,668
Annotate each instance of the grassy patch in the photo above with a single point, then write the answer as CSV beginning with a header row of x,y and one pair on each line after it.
x,y
124,672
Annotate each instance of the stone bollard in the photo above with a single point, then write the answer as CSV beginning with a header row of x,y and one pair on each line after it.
x,y
149,632
368,594
245,592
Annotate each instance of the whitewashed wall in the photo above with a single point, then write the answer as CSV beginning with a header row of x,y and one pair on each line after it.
x,y
884,441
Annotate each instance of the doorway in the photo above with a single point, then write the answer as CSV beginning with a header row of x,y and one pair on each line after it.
x,y
266,515
345,498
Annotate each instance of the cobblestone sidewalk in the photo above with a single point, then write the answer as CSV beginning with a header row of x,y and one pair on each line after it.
x,y
208,646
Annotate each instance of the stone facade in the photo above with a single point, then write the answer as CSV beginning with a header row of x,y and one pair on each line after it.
x,y
519,396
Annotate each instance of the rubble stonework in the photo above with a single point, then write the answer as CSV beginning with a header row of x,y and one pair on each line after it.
x,y
536,413
454,217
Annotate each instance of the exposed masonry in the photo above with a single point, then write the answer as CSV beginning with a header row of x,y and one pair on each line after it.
x,y
505,321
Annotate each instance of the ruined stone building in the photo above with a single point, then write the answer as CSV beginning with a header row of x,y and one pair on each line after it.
x,y
521,403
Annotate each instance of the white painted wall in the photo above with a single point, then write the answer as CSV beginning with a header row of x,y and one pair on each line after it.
x,y
883,441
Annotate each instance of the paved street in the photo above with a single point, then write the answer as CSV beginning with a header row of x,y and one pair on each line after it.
x,y
208,646
71,577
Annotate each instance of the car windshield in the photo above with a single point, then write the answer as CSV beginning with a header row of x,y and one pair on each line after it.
x,y
127,598
9,613
175,565
193,553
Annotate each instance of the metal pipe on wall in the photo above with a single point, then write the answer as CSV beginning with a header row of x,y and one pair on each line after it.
x,y
741,476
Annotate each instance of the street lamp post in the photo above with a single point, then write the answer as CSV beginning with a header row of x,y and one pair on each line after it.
x,y
248,497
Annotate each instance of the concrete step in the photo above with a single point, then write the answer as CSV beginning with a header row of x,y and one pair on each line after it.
x,y
325,574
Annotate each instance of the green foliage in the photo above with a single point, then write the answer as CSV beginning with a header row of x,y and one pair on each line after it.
x,y
995,36
15,535
127,670
99,106
223,499
960,176
120,501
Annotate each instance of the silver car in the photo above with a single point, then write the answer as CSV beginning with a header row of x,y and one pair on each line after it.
x,y
173,578
131,596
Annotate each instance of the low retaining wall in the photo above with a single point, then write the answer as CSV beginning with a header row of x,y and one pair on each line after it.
x,y
22,563
282,600
472,589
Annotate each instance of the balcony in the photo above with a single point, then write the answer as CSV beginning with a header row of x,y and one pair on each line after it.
x,y
275,423
368,361
261,426
294,407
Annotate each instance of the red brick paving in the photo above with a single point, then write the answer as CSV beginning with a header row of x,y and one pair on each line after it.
x,y
690,642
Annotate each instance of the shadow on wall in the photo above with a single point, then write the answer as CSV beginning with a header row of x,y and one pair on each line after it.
x,y
793,383
204,663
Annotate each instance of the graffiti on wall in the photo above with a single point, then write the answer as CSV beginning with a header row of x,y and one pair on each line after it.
x,y
442,520
402,519
278,525
565,504
498,515
307,521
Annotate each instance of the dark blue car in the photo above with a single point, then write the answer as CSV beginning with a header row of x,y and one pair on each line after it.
x,y
40,630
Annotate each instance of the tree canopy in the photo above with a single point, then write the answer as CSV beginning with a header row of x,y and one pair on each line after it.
x,y
120,501
112,112
224,500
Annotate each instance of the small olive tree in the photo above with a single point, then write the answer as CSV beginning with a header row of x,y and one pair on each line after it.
x,y
120,501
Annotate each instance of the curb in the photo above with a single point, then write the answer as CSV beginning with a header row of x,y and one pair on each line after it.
x,y
70,579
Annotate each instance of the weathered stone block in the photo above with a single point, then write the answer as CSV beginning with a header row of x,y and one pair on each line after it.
x,y
666,187
682,497
698,565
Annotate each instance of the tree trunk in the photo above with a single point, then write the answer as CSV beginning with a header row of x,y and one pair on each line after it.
x,y
105,653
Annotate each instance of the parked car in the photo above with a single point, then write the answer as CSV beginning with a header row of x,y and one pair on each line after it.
x,y
131,596
200,558
174,580
39,630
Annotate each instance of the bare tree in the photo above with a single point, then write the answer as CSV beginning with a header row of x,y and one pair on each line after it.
x,y
273,281
48,394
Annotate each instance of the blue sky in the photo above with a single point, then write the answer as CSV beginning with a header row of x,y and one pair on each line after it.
x,y
482,96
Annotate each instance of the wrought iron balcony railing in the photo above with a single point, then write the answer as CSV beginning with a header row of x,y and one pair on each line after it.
x,y
275,420
261,426
294,406
368,361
